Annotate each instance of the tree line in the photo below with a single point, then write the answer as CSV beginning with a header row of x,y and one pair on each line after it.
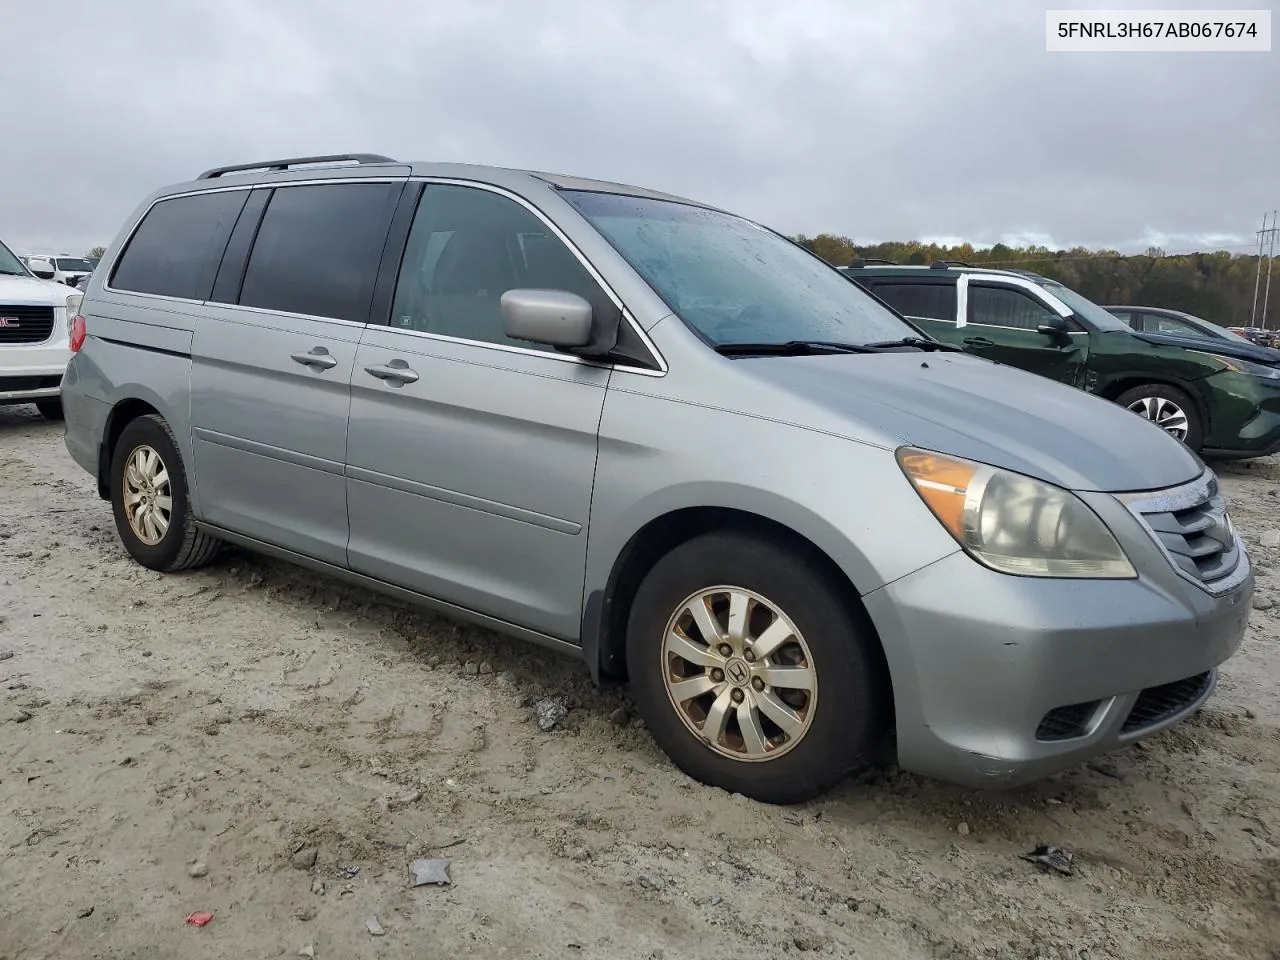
x,y
1216,286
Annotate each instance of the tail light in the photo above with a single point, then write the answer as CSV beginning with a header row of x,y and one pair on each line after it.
x,y
78,332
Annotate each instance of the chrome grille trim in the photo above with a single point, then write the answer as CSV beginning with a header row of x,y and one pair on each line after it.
x,y
1192,527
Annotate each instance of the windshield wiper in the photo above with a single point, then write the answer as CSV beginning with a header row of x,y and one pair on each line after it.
x,y
790,348
918,342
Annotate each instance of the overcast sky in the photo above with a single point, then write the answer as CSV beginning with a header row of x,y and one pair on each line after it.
x,y
936,119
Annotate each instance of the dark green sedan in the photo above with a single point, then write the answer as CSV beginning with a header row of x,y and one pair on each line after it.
x,y
1218,404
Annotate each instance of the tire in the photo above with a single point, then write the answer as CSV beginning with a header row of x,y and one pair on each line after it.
x,y
50,409
844,714
180,545
1157,401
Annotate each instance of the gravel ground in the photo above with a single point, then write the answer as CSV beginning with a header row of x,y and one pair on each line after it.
x,y
272,747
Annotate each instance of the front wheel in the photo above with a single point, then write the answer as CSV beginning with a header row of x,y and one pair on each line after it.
x,y
150,501
1168,408
752,671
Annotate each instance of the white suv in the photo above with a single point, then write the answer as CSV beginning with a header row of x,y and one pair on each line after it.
x,y
35,319
59,267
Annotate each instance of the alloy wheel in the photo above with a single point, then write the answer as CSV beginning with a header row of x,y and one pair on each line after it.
x,y
148,498
1164,413
739,673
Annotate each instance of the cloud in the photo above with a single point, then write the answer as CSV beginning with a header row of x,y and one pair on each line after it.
x,y
889,121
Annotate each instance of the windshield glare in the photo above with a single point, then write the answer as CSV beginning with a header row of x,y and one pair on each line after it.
x,y
734,281
73,265
1087,309
9,263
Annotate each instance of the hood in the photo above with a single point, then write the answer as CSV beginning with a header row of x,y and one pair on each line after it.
x,y
1224,348
968,407
33,292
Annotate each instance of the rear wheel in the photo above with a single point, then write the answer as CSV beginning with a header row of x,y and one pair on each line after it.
x,y
50,409
150,501
751,671
1169,408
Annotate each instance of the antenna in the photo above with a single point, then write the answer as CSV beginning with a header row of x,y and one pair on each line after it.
x,y
1267,235
1270,255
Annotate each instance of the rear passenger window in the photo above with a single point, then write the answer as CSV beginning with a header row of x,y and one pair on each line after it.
x,y
1006,307
933,301
318,248
176,249
468,247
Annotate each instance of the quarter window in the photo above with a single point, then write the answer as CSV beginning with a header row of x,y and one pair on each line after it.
x,y
176,249
1006,307
318,248
466,248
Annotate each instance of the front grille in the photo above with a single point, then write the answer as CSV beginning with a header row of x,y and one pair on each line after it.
x,y
1157,704
15,384
25,324
1190,523
1067,723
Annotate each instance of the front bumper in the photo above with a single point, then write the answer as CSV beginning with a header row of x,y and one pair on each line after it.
x,y
1244,419
999,680
32,372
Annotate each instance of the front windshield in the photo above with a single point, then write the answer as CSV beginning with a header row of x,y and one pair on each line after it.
x,y
733,281
1086,308
10,264
1222,333
74,265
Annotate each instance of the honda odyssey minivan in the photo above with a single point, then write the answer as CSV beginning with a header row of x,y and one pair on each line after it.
x,y
664,439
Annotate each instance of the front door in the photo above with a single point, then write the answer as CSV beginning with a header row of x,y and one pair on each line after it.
x,y
272,361
1002,325
471,456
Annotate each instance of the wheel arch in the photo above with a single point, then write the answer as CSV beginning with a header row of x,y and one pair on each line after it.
x,y
1118,384
123,413
607,610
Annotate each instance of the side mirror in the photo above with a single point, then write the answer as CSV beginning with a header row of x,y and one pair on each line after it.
x,y
1055,327
556,318
41,268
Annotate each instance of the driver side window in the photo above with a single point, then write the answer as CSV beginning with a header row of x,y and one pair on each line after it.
x,y
1007,307
466,248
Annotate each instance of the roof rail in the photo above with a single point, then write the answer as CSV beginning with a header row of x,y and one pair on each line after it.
x,y
288,162
947,264
865,261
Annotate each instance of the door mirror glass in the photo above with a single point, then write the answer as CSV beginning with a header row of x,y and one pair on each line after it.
x,y
555,318
41,268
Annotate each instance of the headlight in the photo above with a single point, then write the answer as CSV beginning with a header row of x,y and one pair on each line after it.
x,y
1013,523
1249,367
73,304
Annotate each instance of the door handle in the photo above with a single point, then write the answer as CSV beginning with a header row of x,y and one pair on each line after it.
x,y
395,371
319,359
978,342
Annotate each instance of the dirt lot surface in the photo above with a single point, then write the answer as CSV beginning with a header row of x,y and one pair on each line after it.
x,y
273,748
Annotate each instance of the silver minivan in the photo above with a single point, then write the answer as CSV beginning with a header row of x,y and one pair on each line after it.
x,y
666,440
